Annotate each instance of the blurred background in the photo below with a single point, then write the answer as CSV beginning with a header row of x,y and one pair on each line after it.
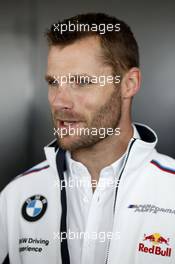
x,y
25,120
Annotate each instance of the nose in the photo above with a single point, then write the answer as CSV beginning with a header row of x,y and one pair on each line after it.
x,y
60,98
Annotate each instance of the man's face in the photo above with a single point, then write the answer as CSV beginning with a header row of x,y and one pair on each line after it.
x,y
82,105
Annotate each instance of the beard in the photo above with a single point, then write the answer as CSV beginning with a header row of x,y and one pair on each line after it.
x,y
107,116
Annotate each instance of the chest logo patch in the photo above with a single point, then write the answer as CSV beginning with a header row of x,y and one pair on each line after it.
x,y
155,244
34,208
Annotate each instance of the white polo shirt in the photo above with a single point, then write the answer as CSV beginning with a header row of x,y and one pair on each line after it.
x,y
90,215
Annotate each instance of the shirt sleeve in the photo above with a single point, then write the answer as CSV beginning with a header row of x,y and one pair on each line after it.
x,y
3,228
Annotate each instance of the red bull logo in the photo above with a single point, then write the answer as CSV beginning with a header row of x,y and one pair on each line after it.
x,y
157,241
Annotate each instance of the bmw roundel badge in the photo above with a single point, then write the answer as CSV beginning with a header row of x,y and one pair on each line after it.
x,y
34,208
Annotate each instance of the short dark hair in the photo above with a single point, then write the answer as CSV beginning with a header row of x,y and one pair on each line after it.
x,y
120,49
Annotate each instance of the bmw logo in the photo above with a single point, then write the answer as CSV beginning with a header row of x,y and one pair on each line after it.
x,y
34,208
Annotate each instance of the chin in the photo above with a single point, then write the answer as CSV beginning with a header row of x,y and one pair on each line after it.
x,y
73,143
69,143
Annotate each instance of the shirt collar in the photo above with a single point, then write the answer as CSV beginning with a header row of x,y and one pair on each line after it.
x,y
135,132
75,167
116,165
144,145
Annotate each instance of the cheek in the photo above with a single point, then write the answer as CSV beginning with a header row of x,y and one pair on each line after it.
x,y
50,101
95,99
89,104
50,96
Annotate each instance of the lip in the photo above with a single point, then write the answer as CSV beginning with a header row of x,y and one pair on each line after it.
x,y
73,123
68,120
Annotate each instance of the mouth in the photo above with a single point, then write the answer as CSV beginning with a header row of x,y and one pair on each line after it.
x,y
68,123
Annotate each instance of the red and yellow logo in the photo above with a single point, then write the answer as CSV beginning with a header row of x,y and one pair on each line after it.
x,y
157,241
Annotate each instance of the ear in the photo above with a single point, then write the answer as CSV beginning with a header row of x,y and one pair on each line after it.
x,y
130,83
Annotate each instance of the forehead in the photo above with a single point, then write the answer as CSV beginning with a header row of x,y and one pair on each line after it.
x,y
83,55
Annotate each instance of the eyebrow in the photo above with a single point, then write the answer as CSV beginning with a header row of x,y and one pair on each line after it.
x,y
49,77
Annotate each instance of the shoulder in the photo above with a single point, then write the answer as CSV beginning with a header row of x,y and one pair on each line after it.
x,y
35,169
163,164
28,178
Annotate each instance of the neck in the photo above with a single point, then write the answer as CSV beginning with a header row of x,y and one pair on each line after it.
x,y
105,152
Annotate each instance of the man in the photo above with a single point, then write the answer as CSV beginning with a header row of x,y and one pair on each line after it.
x,y
97,198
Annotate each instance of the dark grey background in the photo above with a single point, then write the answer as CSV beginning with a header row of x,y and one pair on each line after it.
x,y
25,121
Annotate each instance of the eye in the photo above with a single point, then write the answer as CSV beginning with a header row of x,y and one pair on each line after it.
x,y
83,82
53,83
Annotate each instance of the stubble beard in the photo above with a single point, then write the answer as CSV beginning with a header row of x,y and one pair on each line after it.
x,y
107,116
